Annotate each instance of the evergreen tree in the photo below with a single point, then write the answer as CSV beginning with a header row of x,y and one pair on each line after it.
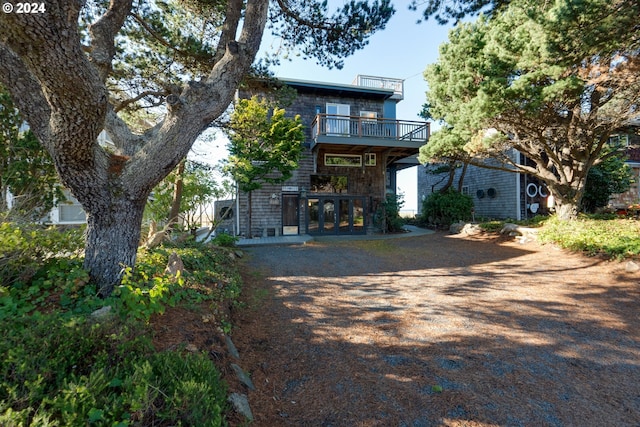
x,y
78,67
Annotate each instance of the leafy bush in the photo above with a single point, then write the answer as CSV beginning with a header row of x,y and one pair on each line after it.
x,y
387,217
61,366
612,176
443,209
24,247
225,240
606,235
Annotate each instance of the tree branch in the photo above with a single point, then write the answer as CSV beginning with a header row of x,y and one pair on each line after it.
x,y
229,27
26,94
201,103
122,105
103,33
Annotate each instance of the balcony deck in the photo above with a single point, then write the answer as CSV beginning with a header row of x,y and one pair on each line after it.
x,y
374,132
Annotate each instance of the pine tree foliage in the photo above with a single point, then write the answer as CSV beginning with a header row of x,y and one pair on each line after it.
x,y
552,80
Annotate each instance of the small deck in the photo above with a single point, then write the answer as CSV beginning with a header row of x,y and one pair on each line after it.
x,y
377,132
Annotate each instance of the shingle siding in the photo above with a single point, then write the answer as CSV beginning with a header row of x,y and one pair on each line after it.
x,y
478,181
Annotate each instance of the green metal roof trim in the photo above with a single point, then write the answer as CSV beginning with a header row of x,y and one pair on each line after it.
x,y
336,87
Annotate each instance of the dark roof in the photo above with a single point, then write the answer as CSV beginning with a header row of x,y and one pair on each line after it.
x,y
308,86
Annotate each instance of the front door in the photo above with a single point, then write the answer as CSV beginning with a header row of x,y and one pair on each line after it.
x,y
335,215
290,215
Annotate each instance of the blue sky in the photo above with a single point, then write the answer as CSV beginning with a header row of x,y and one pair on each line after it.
x,y
402,50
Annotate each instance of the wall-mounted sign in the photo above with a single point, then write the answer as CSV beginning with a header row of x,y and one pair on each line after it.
x,y
290,188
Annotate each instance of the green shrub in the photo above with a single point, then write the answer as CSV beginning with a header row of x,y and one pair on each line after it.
x,y
59,366
443,209
225,240
387,217
595,235
24,247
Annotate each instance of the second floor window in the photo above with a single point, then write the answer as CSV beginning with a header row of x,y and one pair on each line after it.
x,y
338,122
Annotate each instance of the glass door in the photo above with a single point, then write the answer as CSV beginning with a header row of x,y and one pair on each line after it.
x,y
336,215
358,216
313,226
338,119
329,216
344,216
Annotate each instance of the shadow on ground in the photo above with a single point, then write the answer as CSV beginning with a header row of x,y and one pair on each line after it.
x,y
437,330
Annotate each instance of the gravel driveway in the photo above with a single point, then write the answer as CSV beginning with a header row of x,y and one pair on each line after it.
x,y
438,330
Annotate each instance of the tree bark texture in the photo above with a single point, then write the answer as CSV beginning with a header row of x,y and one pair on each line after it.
x,y
57,80
112,242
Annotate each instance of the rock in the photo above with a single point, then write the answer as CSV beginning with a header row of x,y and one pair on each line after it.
x,y
240,403
471,229
174,265
233,351
242,376
239,253
456,227
101,313
632,267
517,230
192,348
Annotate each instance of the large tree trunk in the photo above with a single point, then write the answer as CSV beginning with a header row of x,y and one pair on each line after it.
x,y
567,199
57,80
112,241
567,211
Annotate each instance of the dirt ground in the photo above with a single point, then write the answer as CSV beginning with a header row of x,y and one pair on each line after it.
x,y
438,330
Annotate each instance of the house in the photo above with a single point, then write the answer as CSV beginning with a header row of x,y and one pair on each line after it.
x,y
499,194
69,211
495,193
354,146
631,196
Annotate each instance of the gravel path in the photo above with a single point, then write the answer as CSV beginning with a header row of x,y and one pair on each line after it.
x,y
439,330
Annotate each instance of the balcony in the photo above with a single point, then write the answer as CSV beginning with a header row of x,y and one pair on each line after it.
x,y
354,130
398,140
382,83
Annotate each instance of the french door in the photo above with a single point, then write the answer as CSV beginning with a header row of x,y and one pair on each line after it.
x,y
336,215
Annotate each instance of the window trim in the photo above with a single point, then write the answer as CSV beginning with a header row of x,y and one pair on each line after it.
x,y
346,156
370,159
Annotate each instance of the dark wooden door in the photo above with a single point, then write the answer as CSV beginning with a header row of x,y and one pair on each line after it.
x,y
290,217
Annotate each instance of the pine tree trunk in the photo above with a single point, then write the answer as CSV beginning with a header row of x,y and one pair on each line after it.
x,y
567,211
112,242
177,196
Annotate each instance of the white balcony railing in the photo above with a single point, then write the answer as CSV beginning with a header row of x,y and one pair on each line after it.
x,y
383,83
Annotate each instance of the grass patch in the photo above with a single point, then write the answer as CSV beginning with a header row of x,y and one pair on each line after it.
x,y
380,246
610,236
606,235
61,366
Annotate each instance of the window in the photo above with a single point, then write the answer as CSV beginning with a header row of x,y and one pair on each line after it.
x,y
329,184
349,160
619,140
338,121
370,159
369,123
368,116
